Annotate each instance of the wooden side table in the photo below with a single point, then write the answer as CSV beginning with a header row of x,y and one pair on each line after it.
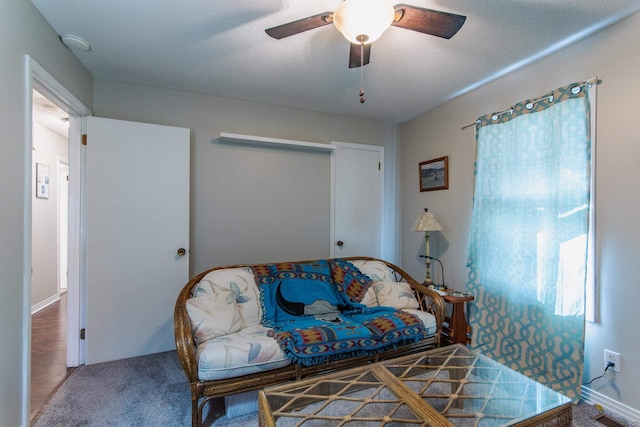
x,y
456,332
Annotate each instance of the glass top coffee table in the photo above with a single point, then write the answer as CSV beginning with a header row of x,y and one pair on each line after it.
x,y
447,386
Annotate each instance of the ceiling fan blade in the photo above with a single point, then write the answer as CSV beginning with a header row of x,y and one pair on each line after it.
x,y
301,25
354,55
432,22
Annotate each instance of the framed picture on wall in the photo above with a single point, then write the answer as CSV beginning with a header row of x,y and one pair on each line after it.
x,y
42,181
434,174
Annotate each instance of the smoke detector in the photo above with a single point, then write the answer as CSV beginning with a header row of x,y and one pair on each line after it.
x,y
75,43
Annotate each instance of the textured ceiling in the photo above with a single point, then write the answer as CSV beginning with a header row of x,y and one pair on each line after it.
x,y
220,48
49,115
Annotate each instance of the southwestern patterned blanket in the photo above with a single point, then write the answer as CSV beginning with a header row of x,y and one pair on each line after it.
x,y
315,312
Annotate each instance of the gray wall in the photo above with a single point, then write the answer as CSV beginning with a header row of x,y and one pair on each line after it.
x,y
609,54
22,31
48,148
612,56
248,204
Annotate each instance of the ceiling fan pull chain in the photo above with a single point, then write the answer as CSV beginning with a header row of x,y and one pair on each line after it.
x,y
361,72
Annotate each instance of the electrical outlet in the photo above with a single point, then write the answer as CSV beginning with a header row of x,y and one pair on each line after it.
x,y
612,356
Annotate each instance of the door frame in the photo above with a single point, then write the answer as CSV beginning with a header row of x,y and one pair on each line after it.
x,y
63,164
384,228
36,77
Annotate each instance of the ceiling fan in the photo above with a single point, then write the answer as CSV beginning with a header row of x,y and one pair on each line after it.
x,y
363,21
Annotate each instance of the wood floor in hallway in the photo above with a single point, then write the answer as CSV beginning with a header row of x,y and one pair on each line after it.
x,y
48,353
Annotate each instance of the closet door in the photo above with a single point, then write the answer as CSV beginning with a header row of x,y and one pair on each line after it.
x,y
357,200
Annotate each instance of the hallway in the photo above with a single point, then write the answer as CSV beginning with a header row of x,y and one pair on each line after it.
x,y
48,353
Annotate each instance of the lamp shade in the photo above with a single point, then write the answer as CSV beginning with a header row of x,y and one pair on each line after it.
x,y
363,21
426,222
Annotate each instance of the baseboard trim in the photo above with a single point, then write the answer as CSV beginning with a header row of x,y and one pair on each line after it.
x,y
43,304
613,405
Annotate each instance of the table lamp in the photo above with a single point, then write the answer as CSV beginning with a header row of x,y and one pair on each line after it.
x,y
427,222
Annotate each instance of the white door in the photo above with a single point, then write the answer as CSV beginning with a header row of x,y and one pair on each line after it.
x,y
357,200
137,211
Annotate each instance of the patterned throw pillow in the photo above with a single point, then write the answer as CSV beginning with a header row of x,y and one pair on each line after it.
x,y
370,299
213,315
398,295
240,282
348,279
376,270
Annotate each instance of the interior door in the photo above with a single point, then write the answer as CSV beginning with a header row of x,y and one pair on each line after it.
x,y
137,219
357,198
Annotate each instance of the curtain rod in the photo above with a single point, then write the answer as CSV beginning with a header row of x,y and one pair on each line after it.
x,y
591,81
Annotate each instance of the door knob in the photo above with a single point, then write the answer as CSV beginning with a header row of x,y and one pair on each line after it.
x,y
340,243
182,252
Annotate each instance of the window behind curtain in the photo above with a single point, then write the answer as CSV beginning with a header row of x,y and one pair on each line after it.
x,y
529,237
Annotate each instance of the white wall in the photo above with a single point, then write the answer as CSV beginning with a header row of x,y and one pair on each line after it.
x,y
22,31
49,147
612,56
248,204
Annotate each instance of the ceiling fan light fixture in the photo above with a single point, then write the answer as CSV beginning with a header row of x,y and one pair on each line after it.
x,y
363,21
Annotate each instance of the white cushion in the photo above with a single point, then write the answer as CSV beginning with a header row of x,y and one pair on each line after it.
x,y
428,319
213,315
370,299
239,281
395,294
376,270
246,352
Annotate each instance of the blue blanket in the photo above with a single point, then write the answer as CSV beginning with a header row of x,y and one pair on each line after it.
x,y
292,290
315,321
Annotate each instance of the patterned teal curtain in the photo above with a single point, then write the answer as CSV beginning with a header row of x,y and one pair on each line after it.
x,y
527,258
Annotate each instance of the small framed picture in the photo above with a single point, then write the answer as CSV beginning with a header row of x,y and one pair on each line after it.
x,y
42,181
434,174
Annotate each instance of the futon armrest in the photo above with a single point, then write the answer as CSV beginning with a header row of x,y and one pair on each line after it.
x,y
185,343
431,301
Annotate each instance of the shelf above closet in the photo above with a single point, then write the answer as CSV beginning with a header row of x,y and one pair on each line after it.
x,y
235,138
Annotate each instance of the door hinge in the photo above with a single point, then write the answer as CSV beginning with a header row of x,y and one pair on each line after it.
x,y
84,139
379,166
82,333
